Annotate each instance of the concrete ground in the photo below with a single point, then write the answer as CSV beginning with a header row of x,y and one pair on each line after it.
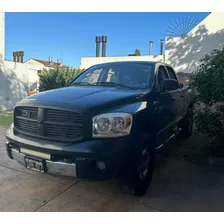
x,y
176,186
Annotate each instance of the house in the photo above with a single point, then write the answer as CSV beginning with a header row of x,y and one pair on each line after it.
x,y
184,53
35,67
43,63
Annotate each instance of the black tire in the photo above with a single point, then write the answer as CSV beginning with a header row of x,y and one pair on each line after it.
x,y
136,175
186,124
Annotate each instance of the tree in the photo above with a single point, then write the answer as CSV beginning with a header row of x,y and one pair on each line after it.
x,y
57,77
137,52
209,82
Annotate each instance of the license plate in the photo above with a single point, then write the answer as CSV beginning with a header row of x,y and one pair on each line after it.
x,y
34,165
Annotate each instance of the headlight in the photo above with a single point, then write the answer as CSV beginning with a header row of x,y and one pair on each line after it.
x,y
111,125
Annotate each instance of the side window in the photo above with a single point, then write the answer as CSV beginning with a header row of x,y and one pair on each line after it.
x,y
171,73
162,75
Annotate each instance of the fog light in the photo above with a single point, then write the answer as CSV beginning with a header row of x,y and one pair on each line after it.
x,y
101,165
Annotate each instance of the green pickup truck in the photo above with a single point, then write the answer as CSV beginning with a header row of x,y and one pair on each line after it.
x,y
107,123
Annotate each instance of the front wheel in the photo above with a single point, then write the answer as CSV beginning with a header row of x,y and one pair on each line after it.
x,y
135,177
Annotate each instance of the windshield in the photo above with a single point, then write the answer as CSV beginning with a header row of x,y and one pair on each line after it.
x,y
129,75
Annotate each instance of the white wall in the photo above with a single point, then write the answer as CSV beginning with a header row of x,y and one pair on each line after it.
x,y
13,84
86,62
2,35
34,66
15,81
184,53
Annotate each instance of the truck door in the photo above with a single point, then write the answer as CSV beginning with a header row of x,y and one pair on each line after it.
x,y
179,95
164,108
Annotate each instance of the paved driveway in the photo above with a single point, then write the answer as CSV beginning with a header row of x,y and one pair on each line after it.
x,y
176,186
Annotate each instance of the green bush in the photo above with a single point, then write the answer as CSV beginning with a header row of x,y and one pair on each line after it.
x,y
209,83
137,52
57,78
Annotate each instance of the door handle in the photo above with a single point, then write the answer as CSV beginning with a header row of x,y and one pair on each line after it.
x,y
157,106
173,98
155,103
181,95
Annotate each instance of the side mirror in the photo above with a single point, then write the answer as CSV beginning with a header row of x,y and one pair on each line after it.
x,y
170,85
181,85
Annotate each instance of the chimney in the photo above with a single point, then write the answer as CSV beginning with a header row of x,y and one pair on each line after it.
x,y
161,47
22,55
98,40
50,59
104,40
14,56
150,47
17,56
59,62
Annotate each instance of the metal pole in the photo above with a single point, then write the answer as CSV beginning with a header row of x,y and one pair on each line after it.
x,y
98,40
150,47
104,40
161,47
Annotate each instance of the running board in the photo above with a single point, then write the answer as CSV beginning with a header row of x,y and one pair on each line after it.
x,y
160,147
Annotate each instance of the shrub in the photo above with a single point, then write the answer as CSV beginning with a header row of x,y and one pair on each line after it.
x,y
57,78
209,83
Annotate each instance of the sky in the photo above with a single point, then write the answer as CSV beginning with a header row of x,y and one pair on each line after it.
x,y
71,36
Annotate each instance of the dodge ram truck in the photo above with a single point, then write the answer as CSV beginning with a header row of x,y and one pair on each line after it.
x,y
107,123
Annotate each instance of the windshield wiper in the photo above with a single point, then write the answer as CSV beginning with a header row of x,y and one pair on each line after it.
x,y
111,84
80,84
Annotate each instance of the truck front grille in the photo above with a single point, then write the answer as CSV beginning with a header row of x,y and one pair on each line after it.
x,y
50,124
27,126
63,131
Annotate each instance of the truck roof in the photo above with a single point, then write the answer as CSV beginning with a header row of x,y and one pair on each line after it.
x,y
131,62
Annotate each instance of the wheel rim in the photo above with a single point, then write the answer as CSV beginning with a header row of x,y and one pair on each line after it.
x,y
143,168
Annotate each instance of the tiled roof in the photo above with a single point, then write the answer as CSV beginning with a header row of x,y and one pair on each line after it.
x,y
47,63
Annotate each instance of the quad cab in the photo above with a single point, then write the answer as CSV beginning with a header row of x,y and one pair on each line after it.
x,y
107,123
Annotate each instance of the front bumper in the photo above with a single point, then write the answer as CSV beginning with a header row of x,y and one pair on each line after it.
x,y
77,160
55,168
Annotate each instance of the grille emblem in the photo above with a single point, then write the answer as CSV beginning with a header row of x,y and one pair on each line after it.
x,y
40,121
25,113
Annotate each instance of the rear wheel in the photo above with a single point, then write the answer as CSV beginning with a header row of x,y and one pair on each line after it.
x,y
136,175
187,124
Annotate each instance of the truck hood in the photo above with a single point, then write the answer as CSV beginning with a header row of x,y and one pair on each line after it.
x,y
85,97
